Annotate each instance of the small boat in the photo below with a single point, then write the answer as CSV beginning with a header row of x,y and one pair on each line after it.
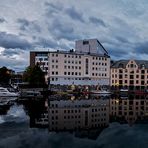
x,y
100,92
4,92
31,94
123,90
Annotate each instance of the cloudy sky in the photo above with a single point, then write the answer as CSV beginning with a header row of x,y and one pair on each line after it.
x,y
120,25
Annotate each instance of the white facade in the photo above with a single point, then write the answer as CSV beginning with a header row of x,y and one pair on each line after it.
x,y
75,67
68,68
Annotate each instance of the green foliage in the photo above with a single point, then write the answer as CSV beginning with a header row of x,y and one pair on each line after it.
x,y
34,76
4,75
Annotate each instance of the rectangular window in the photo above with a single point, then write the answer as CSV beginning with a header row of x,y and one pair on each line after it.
x,y
86,66
85,42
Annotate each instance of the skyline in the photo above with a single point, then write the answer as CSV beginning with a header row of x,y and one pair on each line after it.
x,y
30,25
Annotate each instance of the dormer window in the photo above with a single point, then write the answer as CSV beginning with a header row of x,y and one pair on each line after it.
x,y
121,65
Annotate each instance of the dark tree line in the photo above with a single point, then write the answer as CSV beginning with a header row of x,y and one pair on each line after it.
x,y
5,76
34,76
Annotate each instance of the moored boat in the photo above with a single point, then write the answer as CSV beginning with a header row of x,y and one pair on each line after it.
x,y
4,92
100,92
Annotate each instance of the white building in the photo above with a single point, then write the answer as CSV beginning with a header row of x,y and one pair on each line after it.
x,y
79,67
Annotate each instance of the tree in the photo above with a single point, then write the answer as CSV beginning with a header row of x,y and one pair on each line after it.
x,y
34,76
4,75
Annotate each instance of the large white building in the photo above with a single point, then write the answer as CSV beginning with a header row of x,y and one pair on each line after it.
x,y
89,64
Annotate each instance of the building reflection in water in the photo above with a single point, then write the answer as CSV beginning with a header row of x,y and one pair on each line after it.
x,y
89,114
131,109
77,113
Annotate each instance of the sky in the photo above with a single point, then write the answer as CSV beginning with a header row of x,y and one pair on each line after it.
x,y
27,25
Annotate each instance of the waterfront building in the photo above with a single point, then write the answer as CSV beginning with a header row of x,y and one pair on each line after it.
x,y
132,74
88,64
78,114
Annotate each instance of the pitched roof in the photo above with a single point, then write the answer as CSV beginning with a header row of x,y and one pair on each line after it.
x,y
123,63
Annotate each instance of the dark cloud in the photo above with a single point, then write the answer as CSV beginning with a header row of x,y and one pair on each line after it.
x,y
74,14
10,52
122,39
141,47
2,20
97,21
62,30
44,42
13,41
26,25
47,43
118,52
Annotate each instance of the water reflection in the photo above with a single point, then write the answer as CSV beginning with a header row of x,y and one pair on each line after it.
x,y
86,116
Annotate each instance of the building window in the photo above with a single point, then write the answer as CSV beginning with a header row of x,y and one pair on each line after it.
x,y
45,59
86,66
52,72
142,71
142,76
85,42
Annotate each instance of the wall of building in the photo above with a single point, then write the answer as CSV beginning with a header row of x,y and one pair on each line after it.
x,y
80,69
131,75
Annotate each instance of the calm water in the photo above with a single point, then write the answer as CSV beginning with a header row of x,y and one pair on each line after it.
x,y
106,122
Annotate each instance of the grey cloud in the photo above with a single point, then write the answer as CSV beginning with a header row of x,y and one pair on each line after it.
x,y
44,42
54,6
62,30
51,44
26,25
118,52
2,20
13,41
141,47
10,52
74,14
97,21
52,9
122,39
